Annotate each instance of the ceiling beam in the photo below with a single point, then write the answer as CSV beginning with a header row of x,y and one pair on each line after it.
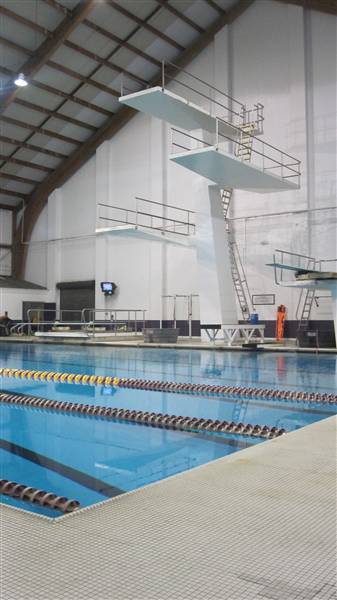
x,y
39,130
143,23
63,69
12,194
325,6
7,206
53,114
51,44
104,62
181,16
216,7
10,177
83,51
32,147
57,92
121,43
25,163
42,109
82,78
20,19
112,36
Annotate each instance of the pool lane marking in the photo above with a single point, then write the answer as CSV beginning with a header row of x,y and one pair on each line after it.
x,y
197,434
163,421
97,485
167,386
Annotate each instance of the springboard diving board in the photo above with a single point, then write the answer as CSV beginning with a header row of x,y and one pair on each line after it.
x,y
291,268
175,110
226,170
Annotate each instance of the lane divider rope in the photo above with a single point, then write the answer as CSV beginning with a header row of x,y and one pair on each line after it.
x,y
26,493
163,421
166,386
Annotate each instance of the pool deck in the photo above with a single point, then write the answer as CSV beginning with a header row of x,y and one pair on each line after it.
x,y
256,525
184,343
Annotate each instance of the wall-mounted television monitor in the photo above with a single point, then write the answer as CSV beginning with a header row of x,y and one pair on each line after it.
x,y
108,287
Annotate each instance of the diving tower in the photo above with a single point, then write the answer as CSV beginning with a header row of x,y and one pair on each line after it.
x,y
216,137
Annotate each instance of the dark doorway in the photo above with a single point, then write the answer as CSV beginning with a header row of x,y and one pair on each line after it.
x,y
74,296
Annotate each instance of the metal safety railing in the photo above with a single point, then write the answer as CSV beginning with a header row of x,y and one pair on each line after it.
x,y
150,214
121,320
264,156
189,303
282,260
208,98
90,321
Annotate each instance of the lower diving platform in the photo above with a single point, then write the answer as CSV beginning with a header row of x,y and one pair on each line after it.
x,y
148,234
226,170
148,220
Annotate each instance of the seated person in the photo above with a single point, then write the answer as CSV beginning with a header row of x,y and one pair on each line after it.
x,y
5,324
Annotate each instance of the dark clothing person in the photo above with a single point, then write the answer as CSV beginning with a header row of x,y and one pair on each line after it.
x,y
5,324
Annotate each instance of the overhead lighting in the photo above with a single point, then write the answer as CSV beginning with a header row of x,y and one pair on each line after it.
x,y
20,81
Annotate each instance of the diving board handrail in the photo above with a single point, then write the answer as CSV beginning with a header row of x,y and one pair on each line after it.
x,y
303,263
278,163
218,102
245,115
164,219
287,165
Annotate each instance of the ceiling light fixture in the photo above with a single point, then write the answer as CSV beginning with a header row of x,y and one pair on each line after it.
x,y
20,81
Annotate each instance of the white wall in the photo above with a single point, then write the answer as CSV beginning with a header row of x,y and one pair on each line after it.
x,y
288,58
274,53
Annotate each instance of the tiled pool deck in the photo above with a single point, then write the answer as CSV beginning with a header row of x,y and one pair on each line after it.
x,y
183,343
259,524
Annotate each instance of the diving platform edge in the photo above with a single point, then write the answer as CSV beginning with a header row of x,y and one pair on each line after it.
x,y
175,110
226,170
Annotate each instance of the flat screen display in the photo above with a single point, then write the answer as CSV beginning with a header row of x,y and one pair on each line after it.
x,y
108,287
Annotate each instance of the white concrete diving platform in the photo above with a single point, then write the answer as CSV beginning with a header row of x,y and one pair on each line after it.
x,y
148,234
175,110
226,170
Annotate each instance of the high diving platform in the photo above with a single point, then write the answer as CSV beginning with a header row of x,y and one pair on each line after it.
x,y
227,150
176,110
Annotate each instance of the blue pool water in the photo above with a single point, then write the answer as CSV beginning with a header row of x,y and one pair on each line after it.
x,y
91,459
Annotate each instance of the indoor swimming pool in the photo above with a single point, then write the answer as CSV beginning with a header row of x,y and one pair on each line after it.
x,y
91,459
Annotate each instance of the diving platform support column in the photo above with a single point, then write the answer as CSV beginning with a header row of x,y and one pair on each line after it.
x,y
216,290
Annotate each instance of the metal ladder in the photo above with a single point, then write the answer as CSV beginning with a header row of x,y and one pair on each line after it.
x,y
238,274
306,299
309,297
240,281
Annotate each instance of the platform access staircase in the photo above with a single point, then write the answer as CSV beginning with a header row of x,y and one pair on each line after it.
x,y
243,151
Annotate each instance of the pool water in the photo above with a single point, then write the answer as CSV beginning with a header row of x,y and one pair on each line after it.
x,y
90,459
